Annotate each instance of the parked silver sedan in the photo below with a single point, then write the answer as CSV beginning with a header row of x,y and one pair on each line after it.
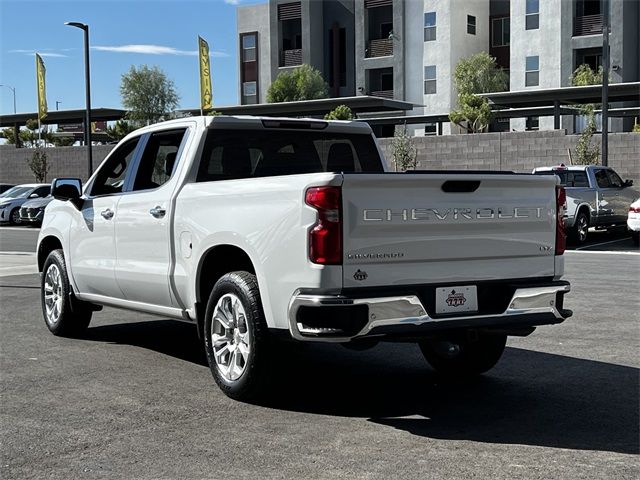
x,y
32,211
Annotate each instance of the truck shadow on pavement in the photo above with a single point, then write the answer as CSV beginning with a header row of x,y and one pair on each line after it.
x,y
529,398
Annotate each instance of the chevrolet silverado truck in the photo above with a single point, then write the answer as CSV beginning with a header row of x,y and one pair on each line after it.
x,y
258,230
596,197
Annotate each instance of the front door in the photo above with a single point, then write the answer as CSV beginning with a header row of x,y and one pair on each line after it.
x,y
92,249
143,230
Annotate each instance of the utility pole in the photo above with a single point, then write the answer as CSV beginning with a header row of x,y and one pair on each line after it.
x,y
605,82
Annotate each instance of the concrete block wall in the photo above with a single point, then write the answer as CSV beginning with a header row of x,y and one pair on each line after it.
x,y
517,151
63,162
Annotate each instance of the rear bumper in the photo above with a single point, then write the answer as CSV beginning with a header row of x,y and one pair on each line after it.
x,y
345,319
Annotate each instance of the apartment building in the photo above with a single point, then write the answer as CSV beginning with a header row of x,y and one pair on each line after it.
x,y
408,49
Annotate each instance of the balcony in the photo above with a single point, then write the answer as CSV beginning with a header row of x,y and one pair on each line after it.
x,y
382,47
587,25
382,93
291,58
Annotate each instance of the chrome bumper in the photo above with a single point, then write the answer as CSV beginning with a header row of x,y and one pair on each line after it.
x,y
526,305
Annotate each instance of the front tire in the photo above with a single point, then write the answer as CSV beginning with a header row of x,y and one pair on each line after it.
x,y
464,357
14,217
61,319
236,337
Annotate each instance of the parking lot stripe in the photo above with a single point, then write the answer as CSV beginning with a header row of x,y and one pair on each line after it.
x,y
604,252
602,243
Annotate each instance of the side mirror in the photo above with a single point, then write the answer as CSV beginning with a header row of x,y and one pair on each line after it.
x,y
34,195
66,188
628,183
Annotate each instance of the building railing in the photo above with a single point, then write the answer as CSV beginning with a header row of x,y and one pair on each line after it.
x,y
291,58
587,25
382,47
382,93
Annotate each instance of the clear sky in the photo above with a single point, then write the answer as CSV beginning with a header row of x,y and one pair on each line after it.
x,y
122,33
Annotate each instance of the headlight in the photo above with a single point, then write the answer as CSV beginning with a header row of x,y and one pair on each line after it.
x,y
4,205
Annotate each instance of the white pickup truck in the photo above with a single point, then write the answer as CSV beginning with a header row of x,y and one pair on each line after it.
x,y
255,229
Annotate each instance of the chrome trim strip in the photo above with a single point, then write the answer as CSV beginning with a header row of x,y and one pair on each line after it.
x,y
408,310
174,313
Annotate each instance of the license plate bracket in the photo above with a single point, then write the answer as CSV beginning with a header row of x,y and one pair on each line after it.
x,y
456,299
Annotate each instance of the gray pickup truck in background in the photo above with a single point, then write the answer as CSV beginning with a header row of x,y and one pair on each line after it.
x,y
596,197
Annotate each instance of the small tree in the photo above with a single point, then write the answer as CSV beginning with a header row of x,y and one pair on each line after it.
x,y
302,83
476,74
587,153
473,113
148,94
479,73
341,112
38,165
405,155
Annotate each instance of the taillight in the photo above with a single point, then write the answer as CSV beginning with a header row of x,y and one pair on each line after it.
x,y
561,234
325,236
634,209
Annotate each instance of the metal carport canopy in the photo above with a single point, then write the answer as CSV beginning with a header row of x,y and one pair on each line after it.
x,y
618,92
61,117
359,104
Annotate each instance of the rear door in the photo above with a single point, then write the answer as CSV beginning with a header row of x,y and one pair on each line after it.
x,y
403,229
142,233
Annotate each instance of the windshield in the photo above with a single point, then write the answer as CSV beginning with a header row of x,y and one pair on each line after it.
x,y
568,178
16,192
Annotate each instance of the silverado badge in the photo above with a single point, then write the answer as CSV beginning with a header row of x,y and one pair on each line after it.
x,y
360,275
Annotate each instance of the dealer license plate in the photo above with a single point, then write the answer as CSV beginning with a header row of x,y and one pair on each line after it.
x,y
456,299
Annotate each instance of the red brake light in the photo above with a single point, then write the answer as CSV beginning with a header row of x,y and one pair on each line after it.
x,y
634,209
325,236
561,234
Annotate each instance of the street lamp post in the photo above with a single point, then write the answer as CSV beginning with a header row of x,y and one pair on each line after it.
x,y
605,83
14,95
87,79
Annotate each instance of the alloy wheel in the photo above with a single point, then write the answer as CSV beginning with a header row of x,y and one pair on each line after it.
x,y
230,337
53,296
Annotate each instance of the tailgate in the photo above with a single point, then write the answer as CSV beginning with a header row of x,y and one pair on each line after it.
x,y
406,229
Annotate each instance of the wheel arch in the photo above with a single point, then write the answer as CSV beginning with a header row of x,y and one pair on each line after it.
x,y
45,247
213,264
586,209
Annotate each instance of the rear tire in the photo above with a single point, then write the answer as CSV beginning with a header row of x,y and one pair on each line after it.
x,y
635,236
236,337
580,230
59,316
463,357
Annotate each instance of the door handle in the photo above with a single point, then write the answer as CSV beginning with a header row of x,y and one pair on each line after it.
x,y
107,214
158,212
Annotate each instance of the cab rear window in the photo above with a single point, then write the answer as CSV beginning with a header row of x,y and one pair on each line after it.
x,y
568,178
233,154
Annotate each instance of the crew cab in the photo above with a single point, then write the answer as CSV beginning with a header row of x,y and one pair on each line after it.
x,y
259,230
596,197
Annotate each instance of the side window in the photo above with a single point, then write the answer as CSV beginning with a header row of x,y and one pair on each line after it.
x,y
159,159
602,179
110,178
42,191
614,179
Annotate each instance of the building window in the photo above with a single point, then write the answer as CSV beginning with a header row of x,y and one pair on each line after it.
x,y
532,20
429,26
471,24
532,74
533,123
249,67
248,48
429,79
500,32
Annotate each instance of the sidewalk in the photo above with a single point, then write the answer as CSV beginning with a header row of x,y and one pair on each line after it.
x,y
17,263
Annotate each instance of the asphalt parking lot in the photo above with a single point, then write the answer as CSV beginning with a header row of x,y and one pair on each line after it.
x,y
135,399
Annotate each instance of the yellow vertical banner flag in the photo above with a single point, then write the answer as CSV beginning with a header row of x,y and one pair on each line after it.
x,y
206,95
41,72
